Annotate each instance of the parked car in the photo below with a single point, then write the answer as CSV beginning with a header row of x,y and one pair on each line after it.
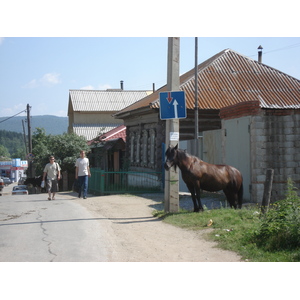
x,y
1,184
6,180
20,190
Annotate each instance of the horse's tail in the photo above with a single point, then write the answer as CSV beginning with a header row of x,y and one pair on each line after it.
x,y
240,195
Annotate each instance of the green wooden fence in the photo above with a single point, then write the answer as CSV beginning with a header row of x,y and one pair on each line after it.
x,y
104,182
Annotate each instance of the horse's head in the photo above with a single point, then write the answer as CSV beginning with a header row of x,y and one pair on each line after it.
x,y
171,157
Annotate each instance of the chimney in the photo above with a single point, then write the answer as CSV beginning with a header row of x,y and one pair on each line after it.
x,y
121,83
260,54
153,87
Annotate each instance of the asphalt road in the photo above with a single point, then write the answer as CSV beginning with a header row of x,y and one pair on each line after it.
x,y
34,229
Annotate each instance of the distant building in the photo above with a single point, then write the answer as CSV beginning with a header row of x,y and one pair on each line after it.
x,y
90,111
13,169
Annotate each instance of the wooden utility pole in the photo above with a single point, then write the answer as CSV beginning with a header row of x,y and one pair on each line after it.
x,y
25,140
172,127
29,142
196,99
267,191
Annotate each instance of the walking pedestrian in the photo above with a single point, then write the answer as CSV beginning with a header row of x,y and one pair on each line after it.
x,y
52,171
82,173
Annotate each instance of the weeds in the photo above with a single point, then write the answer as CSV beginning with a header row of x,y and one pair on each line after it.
x,y
280,227
274,236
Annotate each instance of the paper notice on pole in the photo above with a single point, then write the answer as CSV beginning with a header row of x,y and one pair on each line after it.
x,y
174,136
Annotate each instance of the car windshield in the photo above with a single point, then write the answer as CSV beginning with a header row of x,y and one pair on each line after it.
x,y
20,187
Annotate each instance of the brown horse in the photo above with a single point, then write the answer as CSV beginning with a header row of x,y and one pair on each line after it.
x,y
198,174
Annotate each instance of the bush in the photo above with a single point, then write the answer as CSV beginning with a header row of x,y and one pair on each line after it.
x,y
280,227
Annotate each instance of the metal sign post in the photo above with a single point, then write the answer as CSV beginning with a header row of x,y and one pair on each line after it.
x,y
171,195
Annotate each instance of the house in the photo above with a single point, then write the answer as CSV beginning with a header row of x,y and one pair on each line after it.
x,y
107,150
249,117
90,111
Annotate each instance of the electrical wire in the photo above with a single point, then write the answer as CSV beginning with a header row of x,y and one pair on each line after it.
x,y
283,48
279,49
13,116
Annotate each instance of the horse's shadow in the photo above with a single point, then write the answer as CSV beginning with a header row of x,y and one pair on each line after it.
x,y
209,200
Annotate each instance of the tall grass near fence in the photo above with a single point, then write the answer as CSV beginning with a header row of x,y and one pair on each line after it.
x,y
280,227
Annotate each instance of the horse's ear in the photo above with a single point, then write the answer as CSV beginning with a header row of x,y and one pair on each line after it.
x,y
176,147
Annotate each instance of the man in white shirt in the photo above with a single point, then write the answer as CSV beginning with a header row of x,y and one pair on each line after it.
x,y
82,173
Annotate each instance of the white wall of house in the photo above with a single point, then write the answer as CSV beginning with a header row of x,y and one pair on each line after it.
x,y
236,149
229,145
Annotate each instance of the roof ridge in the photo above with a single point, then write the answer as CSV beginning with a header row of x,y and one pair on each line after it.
x,y
109,90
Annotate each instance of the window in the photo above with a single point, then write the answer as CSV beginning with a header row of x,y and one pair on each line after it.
x,y
145,147
152,146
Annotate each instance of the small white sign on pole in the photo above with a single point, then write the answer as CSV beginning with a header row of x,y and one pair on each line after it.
x,y
174,136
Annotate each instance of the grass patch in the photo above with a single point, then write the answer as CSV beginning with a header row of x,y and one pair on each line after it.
x,y
273,237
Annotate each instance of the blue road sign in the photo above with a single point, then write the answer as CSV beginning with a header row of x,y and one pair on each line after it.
x,y
172,105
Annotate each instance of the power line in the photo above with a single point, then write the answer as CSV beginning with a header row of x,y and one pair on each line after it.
x,y
13,116
284,48
279,49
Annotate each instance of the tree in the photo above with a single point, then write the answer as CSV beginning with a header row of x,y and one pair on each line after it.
x,y
4,152
65,148
14,143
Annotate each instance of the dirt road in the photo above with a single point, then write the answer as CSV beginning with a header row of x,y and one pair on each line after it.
x,y
134,235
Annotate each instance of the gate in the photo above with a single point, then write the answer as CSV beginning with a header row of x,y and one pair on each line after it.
x,y
107,182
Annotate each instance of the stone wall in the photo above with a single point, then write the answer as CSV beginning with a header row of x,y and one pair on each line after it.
x,y
275,144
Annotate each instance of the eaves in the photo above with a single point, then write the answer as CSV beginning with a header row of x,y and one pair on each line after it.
x,y
139,111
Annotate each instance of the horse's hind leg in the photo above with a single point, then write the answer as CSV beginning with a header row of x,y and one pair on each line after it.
x,y
232,198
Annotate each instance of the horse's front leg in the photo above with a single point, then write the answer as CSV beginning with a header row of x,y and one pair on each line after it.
x,y
192,191
197,188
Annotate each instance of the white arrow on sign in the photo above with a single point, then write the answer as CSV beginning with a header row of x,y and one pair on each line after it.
x,y
175,103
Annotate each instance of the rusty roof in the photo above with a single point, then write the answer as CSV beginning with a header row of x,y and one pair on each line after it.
x,y
230,78
114,134
118,132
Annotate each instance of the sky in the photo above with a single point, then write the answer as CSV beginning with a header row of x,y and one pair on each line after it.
x,y
40,71
46,50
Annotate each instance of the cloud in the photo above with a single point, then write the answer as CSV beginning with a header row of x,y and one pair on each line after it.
x,y
100,87
31,84
61,113
87,87
14,109
49,79
104,87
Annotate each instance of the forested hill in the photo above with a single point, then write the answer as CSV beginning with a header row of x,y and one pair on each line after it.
x,y
52,124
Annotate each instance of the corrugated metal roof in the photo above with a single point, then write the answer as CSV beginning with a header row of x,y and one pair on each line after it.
x,y
118,132
229,78
109,100
114,134
91,131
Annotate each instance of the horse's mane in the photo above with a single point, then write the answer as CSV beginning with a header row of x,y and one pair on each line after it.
x,y
182,154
